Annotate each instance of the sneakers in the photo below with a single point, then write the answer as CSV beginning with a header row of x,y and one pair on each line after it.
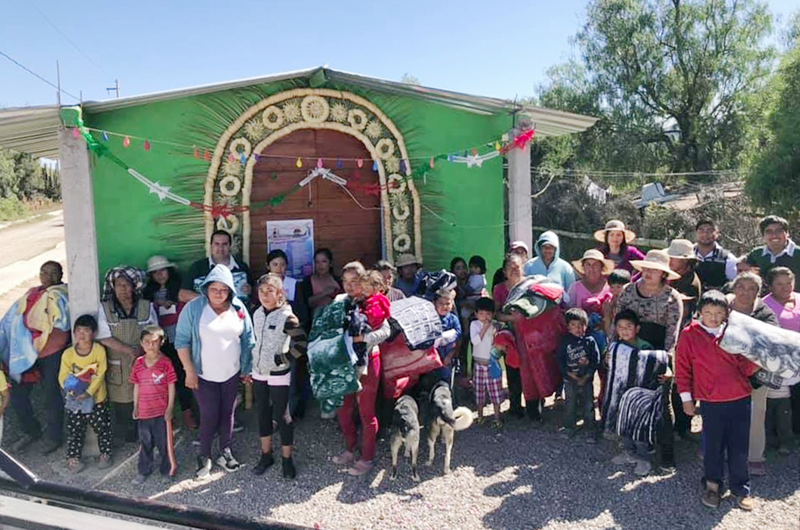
x,y
623,459
264,463
360,468
746,503
642,468
711,495
289,470
757,469
104,462
203,468
344,459
139,480
227,462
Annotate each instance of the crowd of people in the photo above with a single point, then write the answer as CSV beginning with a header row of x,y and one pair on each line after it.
x,y
615,320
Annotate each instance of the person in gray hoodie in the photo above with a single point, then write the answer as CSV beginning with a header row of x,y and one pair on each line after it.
x,y
215,340
548,262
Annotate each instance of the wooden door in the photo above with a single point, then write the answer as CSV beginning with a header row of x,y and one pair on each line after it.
x,y
351,231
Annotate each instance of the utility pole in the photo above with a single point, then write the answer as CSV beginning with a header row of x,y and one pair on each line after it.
x,y
58,82
114,88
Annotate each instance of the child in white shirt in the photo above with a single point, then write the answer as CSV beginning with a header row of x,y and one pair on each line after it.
x,y
487,376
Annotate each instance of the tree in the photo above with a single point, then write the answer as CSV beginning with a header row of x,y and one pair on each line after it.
x,y
772,183
410,79
684,67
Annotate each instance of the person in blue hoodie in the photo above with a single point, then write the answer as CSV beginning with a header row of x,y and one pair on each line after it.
x,y
548,263
215,340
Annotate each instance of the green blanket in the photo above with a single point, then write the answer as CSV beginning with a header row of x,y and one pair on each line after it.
x,y
332,374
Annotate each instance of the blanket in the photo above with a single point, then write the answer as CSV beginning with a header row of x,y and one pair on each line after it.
x,y
417,320
24,330
631,368
533,296
537,342
332,373
399,364
774,349
640,411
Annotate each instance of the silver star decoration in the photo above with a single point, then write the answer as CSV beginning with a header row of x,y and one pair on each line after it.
x,y
161,191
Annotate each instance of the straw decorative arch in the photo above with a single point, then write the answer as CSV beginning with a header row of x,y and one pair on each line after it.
x,y
230,177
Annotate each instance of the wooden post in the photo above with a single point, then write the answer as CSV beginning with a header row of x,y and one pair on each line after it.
x,y
520,219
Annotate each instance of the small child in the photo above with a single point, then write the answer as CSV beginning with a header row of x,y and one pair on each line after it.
x,y
486,377
779,415
88,406
578,358
618,279
720,381
370,314
451,333
626,323
3,401
476,281
153,379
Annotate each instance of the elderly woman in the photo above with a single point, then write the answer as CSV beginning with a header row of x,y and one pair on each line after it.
x,y
616,245
785,302
123,315
660,311
746,288
592,287
513,265
37,326
215,340
364,401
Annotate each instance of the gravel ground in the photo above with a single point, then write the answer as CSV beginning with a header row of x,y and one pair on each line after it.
x,y
523,477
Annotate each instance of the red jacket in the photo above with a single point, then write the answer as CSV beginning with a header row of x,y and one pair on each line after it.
x,y
707,371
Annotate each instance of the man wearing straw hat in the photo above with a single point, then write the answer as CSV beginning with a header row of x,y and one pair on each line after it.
x,y
683,260
409,280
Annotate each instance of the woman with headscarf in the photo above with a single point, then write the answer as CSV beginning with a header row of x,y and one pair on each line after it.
x,y
123,314
215,340
660,311
616,245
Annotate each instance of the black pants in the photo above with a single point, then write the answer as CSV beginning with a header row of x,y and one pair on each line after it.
x,y
514,380
53,401
795,397
272,403
665,437
99,419
156,432
184,395
683,423
124,424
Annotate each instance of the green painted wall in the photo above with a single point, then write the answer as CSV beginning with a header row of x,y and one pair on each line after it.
x,y
133,224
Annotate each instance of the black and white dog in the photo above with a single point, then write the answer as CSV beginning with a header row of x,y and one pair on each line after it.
x,y
444,421
405,431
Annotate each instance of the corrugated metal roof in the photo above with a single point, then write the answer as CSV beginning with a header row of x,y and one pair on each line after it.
x,y
34,129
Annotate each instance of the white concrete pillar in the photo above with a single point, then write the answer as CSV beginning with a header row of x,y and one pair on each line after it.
x,y
80,232
520,220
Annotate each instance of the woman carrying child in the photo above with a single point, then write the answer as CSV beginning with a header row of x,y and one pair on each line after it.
x,y
720,381
280,339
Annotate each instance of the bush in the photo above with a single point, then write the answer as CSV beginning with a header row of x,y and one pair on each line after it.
x,y
12,208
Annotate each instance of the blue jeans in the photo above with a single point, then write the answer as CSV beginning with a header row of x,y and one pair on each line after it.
x,y
727,430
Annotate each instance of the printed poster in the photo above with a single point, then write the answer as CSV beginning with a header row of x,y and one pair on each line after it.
x,y
296,238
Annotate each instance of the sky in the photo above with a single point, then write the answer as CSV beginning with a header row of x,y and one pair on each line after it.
x,y
499,49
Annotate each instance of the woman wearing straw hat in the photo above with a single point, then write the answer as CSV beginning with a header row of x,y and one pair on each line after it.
x,y
616,244
660,311
593,269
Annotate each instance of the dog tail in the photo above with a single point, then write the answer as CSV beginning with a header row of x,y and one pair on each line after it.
x,y
463,418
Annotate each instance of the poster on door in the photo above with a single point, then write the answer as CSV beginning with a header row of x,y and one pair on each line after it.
x,y
296,238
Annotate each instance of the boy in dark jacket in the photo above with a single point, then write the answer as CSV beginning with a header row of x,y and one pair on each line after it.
x,y
578,358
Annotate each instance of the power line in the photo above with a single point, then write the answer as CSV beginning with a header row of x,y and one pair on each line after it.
x,y
76,98
70,41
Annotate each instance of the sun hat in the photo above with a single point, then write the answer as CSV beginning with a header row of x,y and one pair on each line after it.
x,y
615,224
657,260
519,244
681,249
156,263
407,259
594,254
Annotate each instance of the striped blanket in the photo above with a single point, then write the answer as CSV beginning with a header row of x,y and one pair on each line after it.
x,y
632,403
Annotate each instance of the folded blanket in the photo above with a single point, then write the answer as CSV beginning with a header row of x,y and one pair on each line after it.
x,y
537,342
774,349
640,410
417,320
540,286
397,360
629,368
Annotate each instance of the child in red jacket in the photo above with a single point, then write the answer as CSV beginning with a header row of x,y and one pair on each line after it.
x,y
720,381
